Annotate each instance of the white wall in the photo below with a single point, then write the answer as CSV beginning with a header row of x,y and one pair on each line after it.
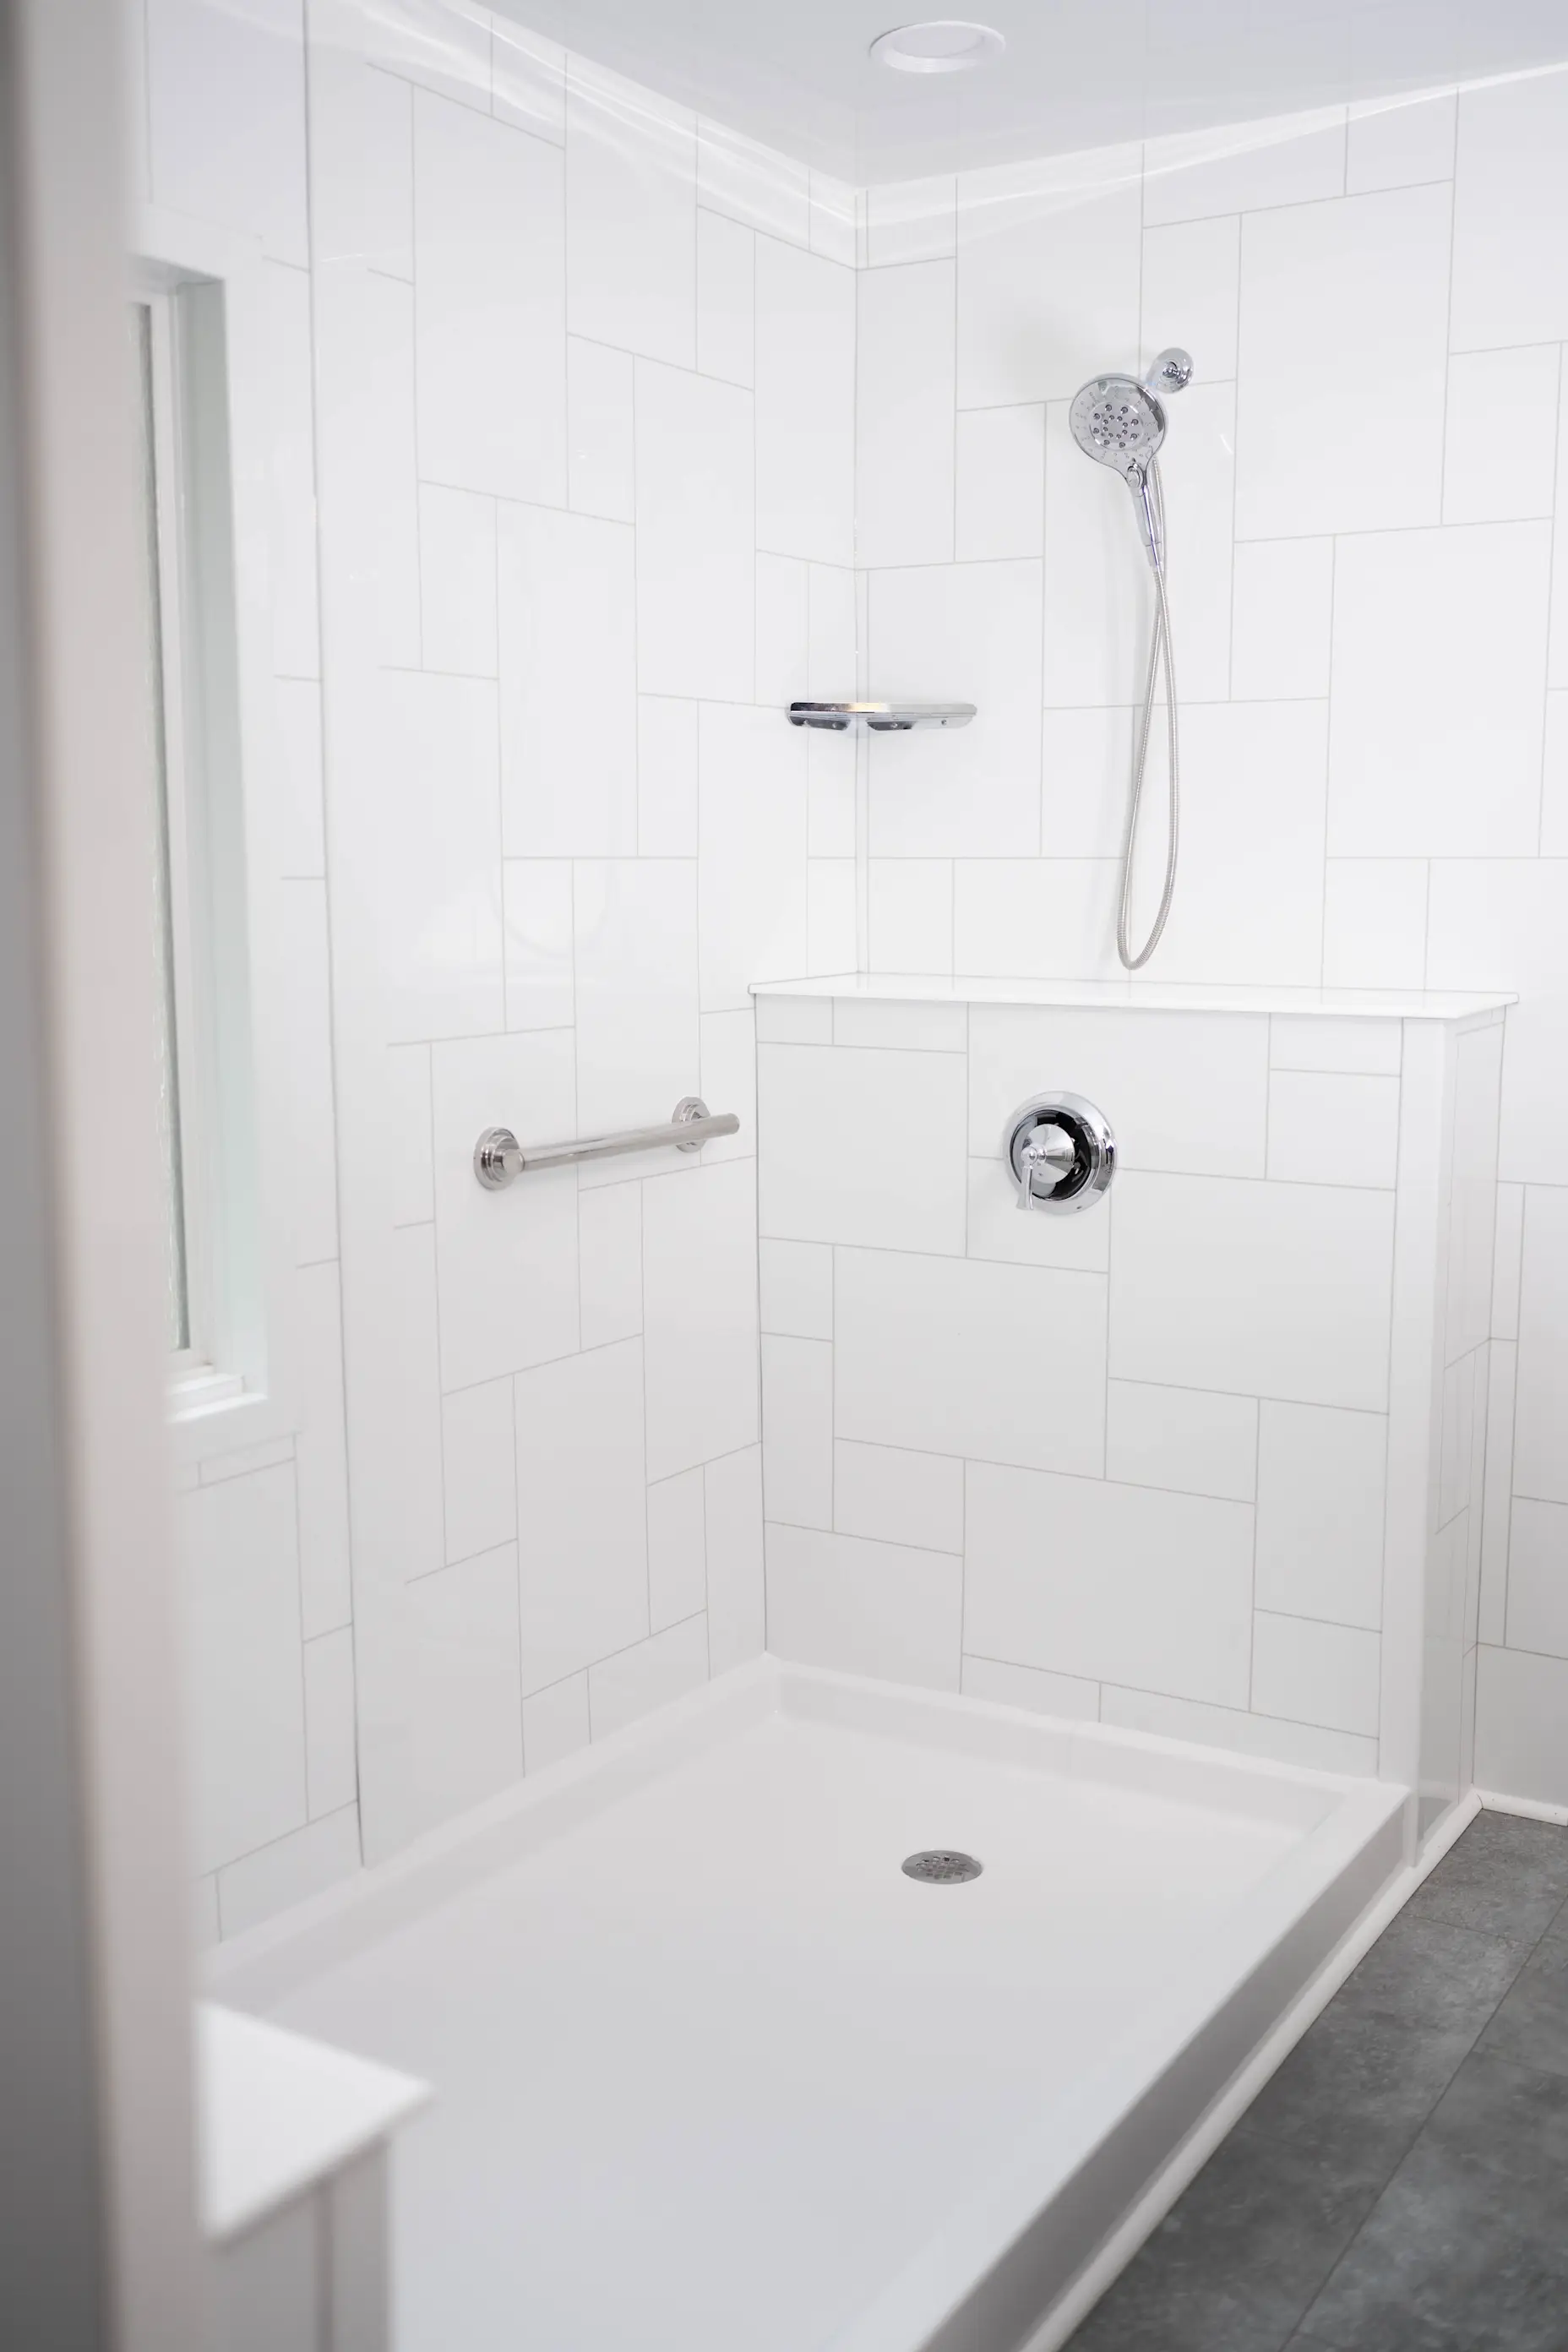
x,y
570,378
573,377
1371,631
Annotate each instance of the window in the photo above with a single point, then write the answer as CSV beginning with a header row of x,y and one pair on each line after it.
x,y
183,528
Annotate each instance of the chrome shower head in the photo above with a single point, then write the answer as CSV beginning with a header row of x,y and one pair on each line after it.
x,y
1117,421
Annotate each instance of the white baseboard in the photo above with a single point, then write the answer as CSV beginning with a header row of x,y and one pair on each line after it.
x,y
1182,2168
1528,1808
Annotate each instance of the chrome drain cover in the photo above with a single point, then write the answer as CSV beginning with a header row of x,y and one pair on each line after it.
x,y
942,1866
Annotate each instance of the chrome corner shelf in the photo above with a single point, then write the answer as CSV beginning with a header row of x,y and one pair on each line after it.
x,y
881,717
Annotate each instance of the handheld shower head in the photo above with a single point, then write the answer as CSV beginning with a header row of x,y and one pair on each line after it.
x,y
1118,421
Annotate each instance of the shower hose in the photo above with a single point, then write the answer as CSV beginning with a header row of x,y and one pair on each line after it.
x,y
1160,655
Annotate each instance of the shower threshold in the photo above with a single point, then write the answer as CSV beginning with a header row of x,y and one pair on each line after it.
x,y
714,2072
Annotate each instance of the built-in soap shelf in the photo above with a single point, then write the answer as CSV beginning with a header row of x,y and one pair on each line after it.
x,y
881,717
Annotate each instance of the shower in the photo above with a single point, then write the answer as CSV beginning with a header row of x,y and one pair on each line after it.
x,y
1120,422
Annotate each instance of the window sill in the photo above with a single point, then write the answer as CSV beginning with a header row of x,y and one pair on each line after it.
x,y
195,1393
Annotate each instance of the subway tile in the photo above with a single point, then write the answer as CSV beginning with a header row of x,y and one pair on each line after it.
x,y
453,1695
1507,1261
1540,1421
1000,477
1035,1687
609,1232
667,777
568,684
299,816
1250,904
751,875
910,914
728,1064
700,1313
1537,1615
1497,1491
1300,1042
804,404
507,1261
1510,184
831,918
331,1770
1283,159
676,1549
726,299
458,581
797,1432
1071,225
904,416
1191,271
943,1354
635,954
1278,1290
907,1027
1182,1439
303,1028
833,1170
1504,923
1284,590
370,329
864,1608
305,1862
782,630
1086,774
1374,922
1182,1091
600,462
394,1409
321,1453
1250,1735
244,1680
1400,142
489,263
631,216
1035,917
967,632
796,1284
362,180
1502,416
536,894
1320,1476
1000,1228
895,1496
795,1020
1521,1704
1198,471
695,536
732,1489
1364,283
432,876
1328,1128
1326,1675
478,1453
650,1675
291,503
1439,664
1170,1600
445,49
1554,778
554,1723
582,1496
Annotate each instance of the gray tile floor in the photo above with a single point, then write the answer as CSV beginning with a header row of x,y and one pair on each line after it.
x,y
1400,2185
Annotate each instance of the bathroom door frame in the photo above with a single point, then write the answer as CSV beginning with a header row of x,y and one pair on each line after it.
x,y
99,2238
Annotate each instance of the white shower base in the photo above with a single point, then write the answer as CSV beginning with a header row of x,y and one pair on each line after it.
x,y
712,2073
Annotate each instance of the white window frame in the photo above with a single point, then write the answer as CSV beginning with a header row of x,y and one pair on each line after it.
x,y
235,1385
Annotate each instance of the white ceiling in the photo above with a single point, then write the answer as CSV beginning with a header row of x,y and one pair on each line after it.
x,y
1075,73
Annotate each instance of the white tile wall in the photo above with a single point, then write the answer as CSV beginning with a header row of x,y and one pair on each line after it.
x,y
560,531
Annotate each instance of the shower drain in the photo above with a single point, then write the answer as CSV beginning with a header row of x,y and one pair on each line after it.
x,y
942,1866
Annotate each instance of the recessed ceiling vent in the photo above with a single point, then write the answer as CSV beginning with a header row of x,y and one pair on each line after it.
x,y
943,48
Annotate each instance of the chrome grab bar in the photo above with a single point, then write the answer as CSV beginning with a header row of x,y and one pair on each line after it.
x,y
499,1159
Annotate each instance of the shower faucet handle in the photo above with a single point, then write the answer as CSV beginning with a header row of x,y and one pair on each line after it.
x,y
1047,1148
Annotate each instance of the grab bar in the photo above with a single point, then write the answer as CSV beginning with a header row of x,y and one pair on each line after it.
x,y
499,1159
